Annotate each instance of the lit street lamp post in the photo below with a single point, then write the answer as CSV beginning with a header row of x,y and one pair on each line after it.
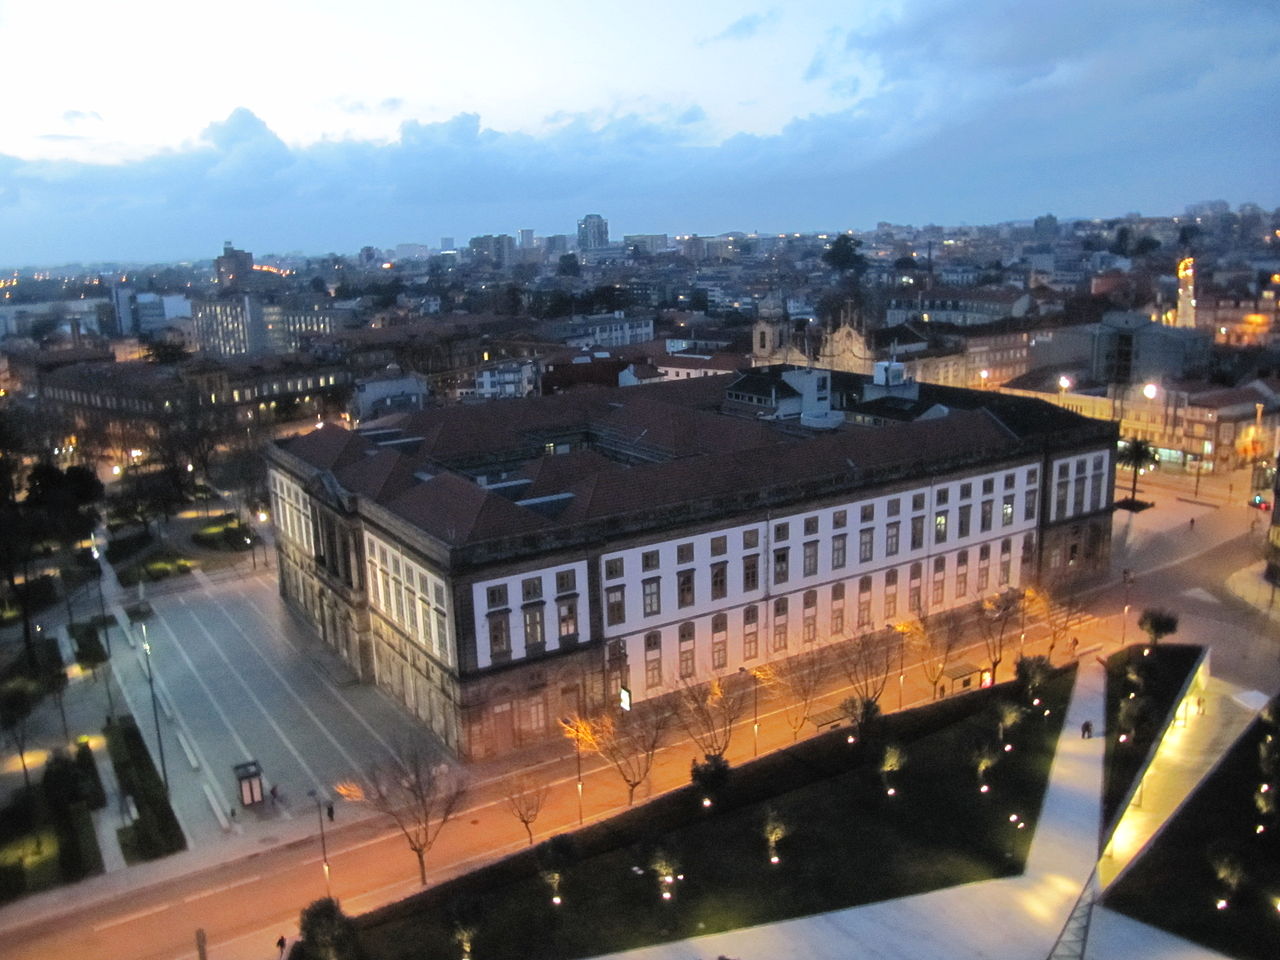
x,y
155,709
755,711
324,848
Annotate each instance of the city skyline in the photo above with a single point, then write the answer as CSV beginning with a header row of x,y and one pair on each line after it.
x,y
409,124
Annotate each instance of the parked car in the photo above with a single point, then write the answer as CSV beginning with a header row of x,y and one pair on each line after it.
x,y
1259,502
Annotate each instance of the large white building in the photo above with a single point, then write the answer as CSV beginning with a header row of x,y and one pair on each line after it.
x,y
497,567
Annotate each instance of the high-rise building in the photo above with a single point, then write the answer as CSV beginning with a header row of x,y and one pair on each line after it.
x,y
234,268
526,239
593,232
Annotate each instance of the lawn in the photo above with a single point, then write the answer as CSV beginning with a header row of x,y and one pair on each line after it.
x,y
225,533
1212,851
847,841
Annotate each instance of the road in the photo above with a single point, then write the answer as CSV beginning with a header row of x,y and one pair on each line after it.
x,y
244,898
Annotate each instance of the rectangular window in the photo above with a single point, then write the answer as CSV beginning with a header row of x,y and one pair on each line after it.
x,y
719,641
917,501
780,565
1033,476
751,572
867,544
1006,558
1006,510
781,531
719,580
497,597
653,671
839,519
1029,505
966,491
962,520
750,539
917,533
891,539
686,657
567,611
566,581
939,581
533,626
1010,481
1060,500
867,513
531,589
649,560
719,546
810,526
684,588
1077,506
651,594
893,507
837,621
988,485
750,635
779,635
615,605
684,553
940,497
613,568
1096,486
838,547
984,517
984,566
499,637
811,558
940,527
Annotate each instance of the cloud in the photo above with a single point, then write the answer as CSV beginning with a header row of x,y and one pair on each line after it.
x,y
74,116
957,120
743,28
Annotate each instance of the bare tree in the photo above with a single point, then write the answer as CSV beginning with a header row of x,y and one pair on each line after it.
x,y
525,796
934,639
708,712
415,789
997,612
867,662
799,679
1057,606
18,698
629,743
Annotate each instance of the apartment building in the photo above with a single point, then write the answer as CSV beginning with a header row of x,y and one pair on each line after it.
x,y
497,567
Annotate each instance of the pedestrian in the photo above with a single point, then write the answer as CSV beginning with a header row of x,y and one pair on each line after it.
x,y
1075,645
1086,730
275,793
1193,523
1200,706
281,944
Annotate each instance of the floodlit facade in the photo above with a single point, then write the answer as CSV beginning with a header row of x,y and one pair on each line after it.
x,y
497,567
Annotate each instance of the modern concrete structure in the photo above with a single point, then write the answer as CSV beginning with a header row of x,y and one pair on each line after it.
x,y
496,567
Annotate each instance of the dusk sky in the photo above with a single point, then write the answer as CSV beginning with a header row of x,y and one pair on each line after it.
x,y
148,130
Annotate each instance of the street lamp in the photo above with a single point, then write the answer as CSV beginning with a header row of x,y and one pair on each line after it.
x,y
1064,384
984,375
155,709
324,848
755,711
106,630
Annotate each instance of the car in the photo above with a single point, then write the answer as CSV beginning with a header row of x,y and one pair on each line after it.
x,y
1259,502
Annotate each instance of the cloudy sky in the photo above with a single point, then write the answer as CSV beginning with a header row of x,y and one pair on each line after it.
x,y
152,130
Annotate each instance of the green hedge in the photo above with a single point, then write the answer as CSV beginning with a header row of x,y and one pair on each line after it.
x,y
156,833
122,548
94,793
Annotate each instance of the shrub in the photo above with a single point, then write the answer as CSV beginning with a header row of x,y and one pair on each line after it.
x,y
91,780
156,832
122,548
